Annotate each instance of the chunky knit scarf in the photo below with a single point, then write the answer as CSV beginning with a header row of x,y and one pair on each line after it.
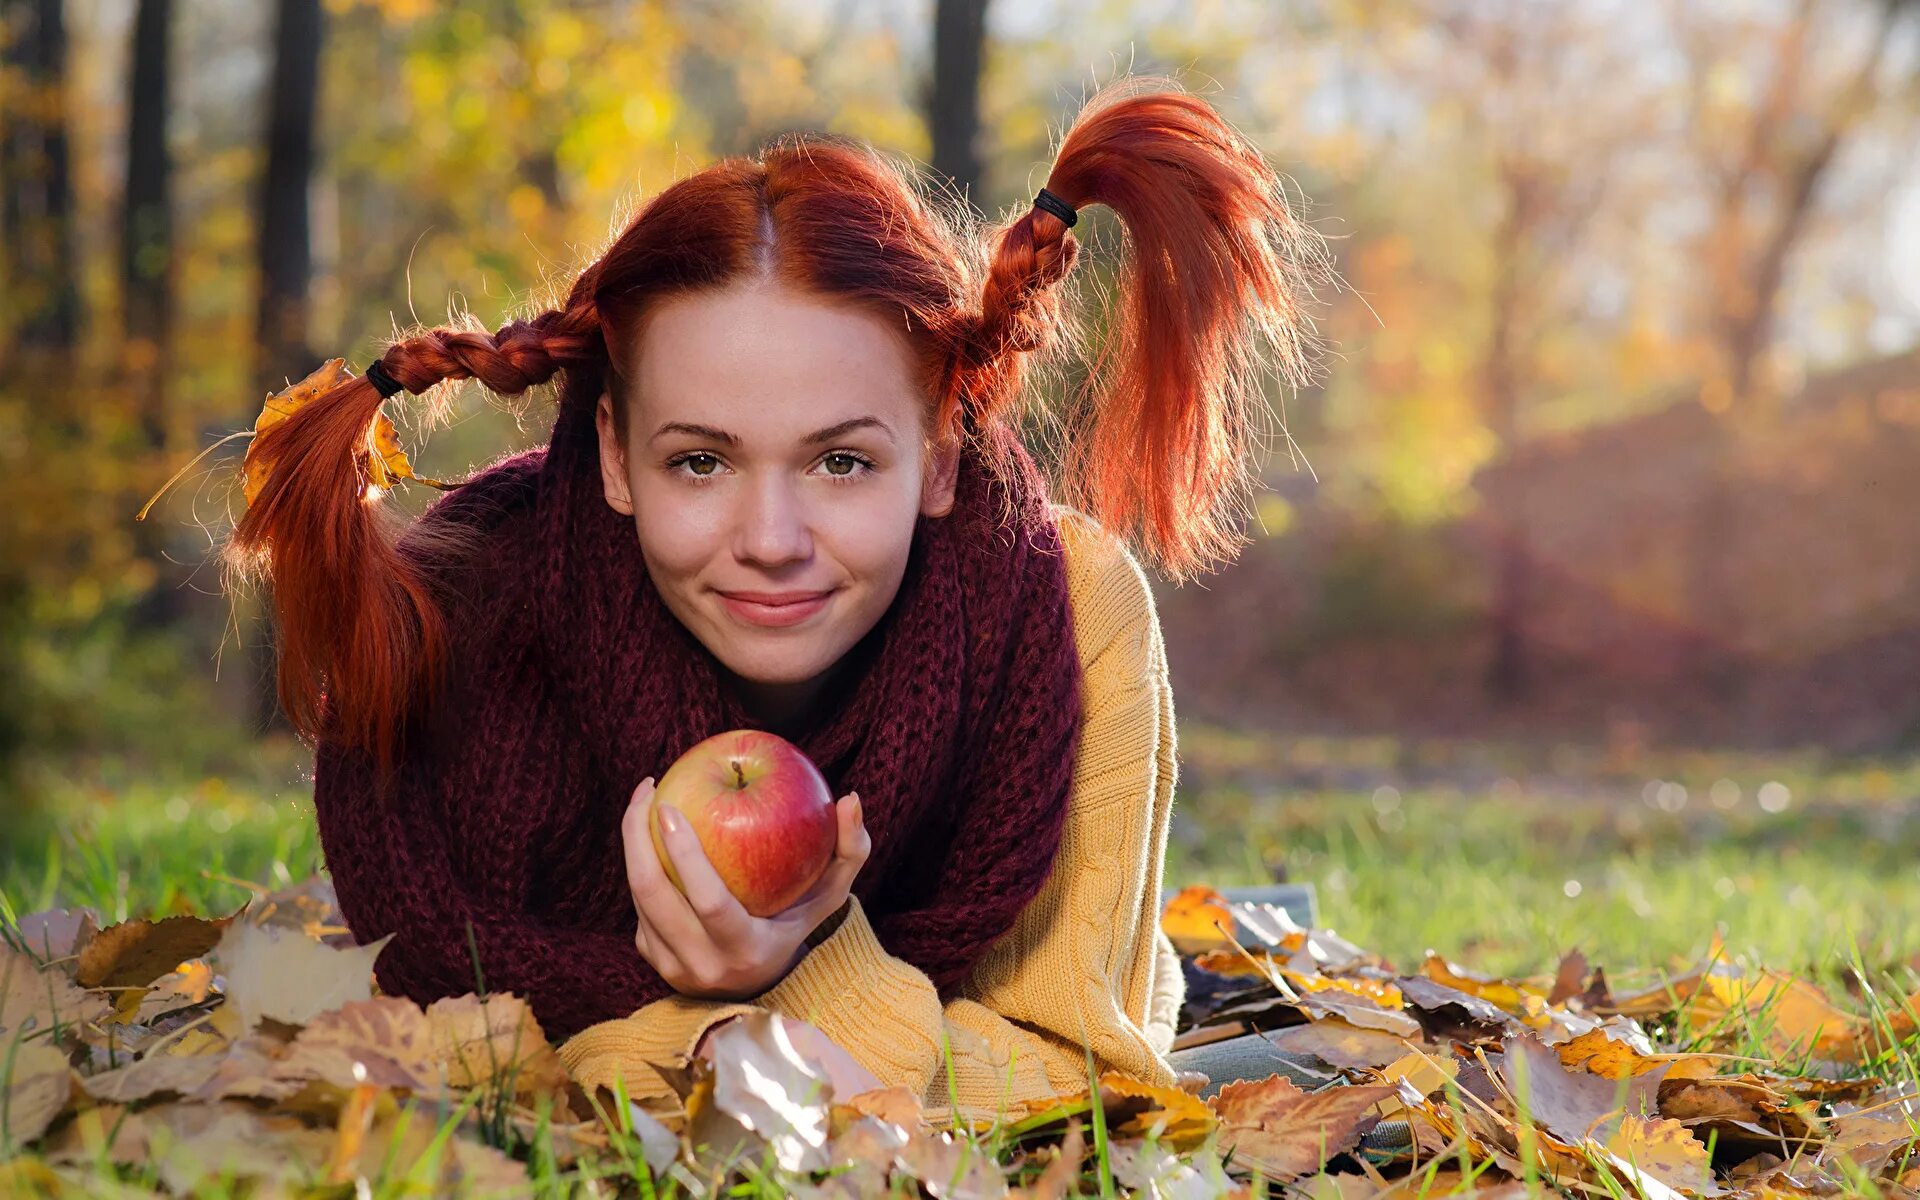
x,y
571,681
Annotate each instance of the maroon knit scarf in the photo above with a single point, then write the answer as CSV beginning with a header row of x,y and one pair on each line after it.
x,y
571,681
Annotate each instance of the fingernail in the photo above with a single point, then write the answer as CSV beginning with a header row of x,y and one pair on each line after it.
x,y
670,820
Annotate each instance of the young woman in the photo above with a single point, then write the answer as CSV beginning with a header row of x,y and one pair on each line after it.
x,y
784,491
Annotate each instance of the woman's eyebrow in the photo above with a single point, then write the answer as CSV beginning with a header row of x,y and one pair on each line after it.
x,y
825,435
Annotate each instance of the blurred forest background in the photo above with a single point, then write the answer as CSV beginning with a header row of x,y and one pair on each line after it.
x,y
1617,451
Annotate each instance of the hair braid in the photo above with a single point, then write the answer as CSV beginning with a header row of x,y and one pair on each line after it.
x,y
1021,311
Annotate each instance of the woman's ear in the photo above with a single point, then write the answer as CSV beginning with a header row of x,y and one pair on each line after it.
x,y
941,478
613,459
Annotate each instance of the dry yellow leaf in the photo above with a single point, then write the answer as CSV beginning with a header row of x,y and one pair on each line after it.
x,y
1616,1050
279,406
385,462
1793,1014
1194,920
1182,1119
1382,992
1663,1150
898,1104
495,1039
1424,1073
1507,994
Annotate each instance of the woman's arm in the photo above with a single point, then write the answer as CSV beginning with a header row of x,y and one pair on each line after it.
x,y
1081,966
393,873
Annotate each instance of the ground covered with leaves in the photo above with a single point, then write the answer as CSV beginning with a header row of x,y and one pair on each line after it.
x,y
250,1054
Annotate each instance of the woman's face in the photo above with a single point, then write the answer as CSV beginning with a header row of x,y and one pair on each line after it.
x,y
774,463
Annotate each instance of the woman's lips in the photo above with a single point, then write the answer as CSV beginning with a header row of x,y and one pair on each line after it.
x,y
774,609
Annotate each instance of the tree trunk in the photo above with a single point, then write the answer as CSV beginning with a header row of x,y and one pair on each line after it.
x,y
146,285
959,42
146,229
285,247
36,184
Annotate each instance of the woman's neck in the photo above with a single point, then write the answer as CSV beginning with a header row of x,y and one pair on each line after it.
x,y
792,709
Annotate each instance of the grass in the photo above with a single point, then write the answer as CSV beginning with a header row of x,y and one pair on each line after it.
x,y
1504,862
1502,858
1499,857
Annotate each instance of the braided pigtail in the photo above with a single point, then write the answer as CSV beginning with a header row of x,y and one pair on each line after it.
x,y
361,639
1213,291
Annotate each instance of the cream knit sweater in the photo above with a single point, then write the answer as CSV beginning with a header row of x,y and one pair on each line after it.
x,y
1085,966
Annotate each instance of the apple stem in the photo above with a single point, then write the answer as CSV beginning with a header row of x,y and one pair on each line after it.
x,y
739,776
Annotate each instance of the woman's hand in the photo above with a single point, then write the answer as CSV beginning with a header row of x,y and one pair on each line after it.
x,y
705,944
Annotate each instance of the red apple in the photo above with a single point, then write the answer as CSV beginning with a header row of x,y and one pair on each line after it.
x,y
762,811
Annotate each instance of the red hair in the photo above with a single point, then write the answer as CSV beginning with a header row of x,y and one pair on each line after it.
x,y
1159,447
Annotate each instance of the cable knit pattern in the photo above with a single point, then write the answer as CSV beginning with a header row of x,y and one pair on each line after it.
x,y
1084,967
570,681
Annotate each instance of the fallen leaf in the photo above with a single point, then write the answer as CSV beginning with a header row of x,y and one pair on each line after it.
x,y
1060,1176
1447,1011
192,1144
1616,1049
37,1084
1358,1010
32,1000
153,1075
1570,979
897,1104
100,1133
275,973
135,953
1424,1073
1792,1015
190,985
1136,1109
863,1152
1572,1106
1286,1133
1155,1172
1197,919
761,1080
57,934
951,1168
385,1041
1665,1150
1340,1044
1502,994
494,1039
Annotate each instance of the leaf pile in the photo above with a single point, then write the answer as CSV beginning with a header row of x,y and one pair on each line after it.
x,y
183,1055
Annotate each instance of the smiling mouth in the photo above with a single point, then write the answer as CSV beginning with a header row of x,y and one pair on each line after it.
x,y
773,609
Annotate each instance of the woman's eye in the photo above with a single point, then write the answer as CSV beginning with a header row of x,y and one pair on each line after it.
x,y
697,462
840,464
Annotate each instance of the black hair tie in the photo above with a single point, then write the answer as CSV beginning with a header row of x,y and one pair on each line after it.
x,y
1058,207
382,382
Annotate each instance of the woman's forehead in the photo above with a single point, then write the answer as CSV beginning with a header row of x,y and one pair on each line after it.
x,y
771,364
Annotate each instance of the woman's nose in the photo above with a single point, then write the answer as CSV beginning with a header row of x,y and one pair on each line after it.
x,y
773,529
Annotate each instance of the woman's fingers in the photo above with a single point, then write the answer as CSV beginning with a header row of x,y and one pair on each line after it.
x,y
706,893
655,950
851,849
673,920
633,837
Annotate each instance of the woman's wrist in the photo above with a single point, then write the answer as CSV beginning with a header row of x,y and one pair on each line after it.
x,y
826,928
